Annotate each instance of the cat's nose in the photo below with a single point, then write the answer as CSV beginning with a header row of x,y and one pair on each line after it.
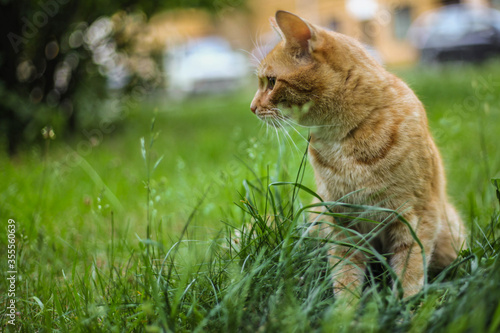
x,y
253,107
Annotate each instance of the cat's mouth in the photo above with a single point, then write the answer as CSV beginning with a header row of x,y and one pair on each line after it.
x,y
266,114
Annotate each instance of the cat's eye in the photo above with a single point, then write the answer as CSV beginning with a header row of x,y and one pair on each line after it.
x,y
271,82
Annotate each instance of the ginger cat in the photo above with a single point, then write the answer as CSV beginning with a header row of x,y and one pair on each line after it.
x,y
369,135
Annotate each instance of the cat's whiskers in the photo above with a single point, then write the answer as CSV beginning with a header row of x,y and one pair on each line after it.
x,y
263,123
290,139
289,122
292,125
258,47
277,127
280,121
254,60
279,130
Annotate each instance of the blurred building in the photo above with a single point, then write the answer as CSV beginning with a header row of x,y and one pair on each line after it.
x,y
383,24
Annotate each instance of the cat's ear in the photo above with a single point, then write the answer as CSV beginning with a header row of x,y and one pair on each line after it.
x,y
275,27
296,32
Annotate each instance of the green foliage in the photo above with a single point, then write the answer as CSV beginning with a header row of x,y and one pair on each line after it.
x,y
212,237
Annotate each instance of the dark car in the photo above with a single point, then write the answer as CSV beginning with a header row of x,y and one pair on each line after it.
x,y
457,33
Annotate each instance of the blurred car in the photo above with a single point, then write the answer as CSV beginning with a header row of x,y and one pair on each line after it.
x,y
457,32
203,66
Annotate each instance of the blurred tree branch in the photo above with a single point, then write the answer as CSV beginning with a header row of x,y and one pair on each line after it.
x,y
46,63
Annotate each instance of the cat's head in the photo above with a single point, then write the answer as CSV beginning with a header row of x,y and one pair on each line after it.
x,y
311,75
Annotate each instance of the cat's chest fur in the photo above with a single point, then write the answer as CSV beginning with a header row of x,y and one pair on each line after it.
x,y
340,178
337,173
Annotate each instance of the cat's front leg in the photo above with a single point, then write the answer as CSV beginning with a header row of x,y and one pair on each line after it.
x,y
348,269
408,256
347,263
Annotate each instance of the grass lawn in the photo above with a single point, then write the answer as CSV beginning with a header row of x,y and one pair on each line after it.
x,y
131,227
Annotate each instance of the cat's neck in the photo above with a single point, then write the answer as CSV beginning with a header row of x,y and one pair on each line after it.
x,y
382,94
328,134
386,99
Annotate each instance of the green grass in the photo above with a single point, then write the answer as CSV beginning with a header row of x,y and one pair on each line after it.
x,y
109,241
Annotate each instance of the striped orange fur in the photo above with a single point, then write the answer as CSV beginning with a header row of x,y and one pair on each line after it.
x,y
370,135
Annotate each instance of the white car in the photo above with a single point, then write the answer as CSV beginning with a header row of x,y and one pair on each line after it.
x,y
203,66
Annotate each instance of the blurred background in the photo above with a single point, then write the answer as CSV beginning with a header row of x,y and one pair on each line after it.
x,y
131,119
121,122
67,66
